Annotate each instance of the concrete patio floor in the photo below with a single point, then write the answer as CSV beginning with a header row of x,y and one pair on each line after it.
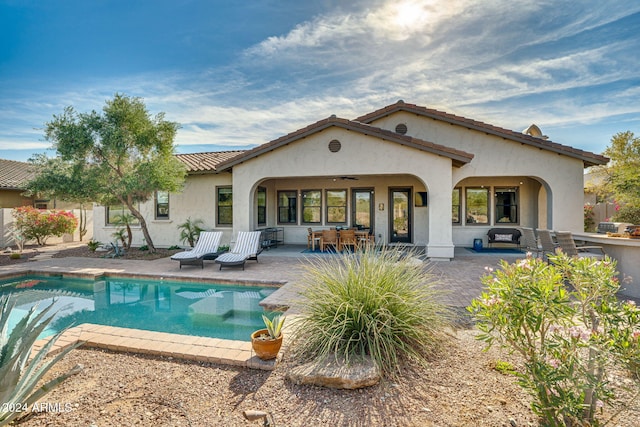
x,y
281,266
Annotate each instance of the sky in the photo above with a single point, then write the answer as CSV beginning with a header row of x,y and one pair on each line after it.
x,y
239,74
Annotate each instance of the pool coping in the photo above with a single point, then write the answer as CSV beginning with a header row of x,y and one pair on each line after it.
x,y
160,344
163,344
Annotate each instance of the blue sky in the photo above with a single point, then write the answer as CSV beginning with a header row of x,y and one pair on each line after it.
x,y
238,74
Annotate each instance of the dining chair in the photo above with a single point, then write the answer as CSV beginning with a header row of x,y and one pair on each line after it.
x,y
546,242
329,238
312,239
347,238
530,241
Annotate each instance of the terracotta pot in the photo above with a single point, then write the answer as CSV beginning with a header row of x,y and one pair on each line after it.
x,y
265,349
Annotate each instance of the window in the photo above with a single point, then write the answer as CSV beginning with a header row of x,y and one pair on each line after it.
x,y
262,206
311,206
336,206
455,206
162,205
114,214
506,205
287,207
477,206
225,206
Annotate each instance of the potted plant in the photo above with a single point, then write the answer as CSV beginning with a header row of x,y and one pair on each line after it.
x,y
266,342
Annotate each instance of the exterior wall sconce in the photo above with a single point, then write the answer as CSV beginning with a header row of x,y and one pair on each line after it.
x,y
380,206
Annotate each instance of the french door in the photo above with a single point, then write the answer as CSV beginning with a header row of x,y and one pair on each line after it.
x,y
362,215
400,215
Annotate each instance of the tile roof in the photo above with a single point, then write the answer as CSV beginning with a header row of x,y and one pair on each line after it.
x,y
589,159
458,157
198,163
14,174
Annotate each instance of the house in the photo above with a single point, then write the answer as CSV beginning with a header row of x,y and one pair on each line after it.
x,y
407,173
13,176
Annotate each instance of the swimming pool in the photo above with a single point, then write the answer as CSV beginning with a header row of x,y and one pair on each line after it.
x,y
218,311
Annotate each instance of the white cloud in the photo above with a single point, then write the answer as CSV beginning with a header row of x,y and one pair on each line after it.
x,y
504,62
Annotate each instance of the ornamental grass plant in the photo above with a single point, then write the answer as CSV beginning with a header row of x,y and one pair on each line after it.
x,y
378,303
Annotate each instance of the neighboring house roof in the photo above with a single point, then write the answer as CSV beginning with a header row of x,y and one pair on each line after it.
x,y
206,162
589,159
14,174
458,157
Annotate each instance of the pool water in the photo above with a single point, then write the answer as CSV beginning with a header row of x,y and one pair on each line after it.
x,y
219,311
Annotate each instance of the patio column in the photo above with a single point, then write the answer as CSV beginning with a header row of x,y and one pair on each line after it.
x,y
440,245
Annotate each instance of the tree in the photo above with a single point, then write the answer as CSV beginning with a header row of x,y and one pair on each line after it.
x,y
623,180
59,179
122,155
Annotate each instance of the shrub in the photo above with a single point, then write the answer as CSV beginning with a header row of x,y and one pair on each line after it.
x,y
589,219
93,245
19,372
190,230
124,234
628,213
39,224
376,303
565,321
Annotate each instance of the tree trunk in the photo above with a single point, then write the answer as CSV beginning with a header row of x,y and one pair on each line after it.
x,y
143,225
82,227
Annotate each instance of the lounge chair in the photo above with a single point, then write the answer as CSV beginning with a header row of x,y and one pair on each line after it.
x,y
247,247
568,246
206,247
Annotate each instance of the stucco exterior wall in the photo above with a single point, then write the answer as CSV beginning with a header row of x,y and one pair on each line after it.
x,y
14,198
359,155
495,156
196,201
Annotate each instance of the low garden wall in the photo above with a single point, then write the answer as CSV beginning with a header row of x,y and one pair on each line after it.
x,y
6,227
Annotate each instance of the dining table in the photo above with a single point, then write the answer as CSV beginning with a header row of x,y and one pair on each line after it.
x,y
317,235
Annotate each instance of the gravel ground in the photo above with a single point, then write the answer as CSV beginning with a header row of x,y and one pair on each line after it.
x,y
458,389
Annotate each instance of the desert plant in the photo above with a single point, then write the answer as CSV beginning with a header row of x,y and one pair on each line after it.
x,y
125,235
505,368
19,372
190,230
566,322
39,224
93,245
121,236
375,303
15,255
18,238
274,326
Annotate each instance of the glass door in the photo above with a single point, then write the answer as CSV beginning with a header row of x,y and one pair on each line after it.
x,y
400,215
362,209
